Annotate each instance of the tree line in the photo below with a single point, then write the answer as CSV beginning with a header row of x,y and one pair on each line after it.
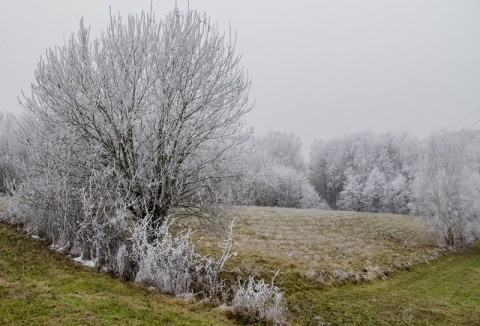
x,y
395,173
390,172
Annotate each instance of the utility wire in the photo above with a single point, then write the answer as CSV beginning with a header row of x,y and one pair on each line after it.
x,y
454,124
458,132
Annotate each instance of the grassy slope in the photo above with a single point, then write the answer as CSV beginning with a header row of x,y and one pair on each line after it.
x,y
42,287
330,246
444,292
38,286
301,242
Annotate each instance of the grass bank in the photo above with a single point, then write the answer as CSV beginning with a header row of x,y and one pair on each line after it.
x,y
346,268
42,287
314,250
443,292
327,246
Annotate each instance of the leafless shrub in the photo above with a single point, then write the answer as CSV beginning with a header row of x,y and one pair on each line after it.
x,y
171,264
168,262
105,226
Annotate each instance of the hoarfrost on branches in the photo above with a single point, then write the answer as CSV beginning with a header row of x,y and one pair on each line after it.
x,y
282,178
127,132
447,188
161,105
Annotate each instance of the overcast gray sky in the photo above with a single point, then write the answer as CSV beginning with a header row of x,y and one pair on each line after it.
x,y
319,68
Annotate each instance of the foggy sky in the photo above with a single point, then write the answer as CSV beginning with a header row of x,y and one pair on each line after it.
x,y
319,69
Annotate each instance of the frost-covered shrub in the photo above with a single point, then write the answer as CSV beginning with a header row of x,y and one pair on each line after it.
x,y
104,228
257,301
170,263
87,219
47,207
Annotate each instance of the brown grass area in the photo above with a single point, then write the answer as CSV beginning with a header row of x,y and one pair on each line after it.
x,y
329,246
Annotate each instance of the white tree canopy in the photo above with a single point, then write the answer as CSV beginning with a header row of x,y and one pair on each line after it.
x,y
159,104
366,171
447,187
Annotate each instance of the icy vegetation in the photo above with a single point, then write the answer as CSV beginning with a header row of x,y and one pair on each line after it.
x,y
125,134
259,301
394,173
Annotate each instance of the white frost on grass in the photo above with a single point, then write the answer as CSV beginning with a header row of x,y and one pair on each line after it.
x,y
58,248
88,263
63,250
37,237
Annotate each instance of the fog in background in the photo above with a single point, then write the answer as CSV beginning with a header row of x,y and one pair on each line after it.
x,y
319,69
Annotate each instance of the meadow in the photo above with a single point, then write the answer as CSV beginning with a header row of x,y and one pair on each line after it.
x,y
347,268
330,246
336,268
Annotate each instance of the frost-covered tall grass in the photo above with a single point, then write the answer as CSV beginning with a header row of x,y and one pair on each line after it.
x,y
259,301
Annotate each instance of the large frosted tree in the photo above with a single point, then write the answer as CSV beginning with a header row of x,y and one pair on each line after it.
x,y
447,187
152,111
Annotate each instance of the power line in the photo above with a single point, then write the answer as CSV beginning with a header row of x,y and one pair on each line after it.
x,y
458,132
454,124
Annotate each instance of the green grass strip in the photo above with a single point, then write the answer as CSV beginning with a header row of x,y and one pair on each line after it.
x,y
444,292
42,287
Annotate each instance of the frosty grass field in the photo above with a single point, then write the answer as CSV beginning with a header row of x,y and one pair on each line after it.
x,y
335,268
